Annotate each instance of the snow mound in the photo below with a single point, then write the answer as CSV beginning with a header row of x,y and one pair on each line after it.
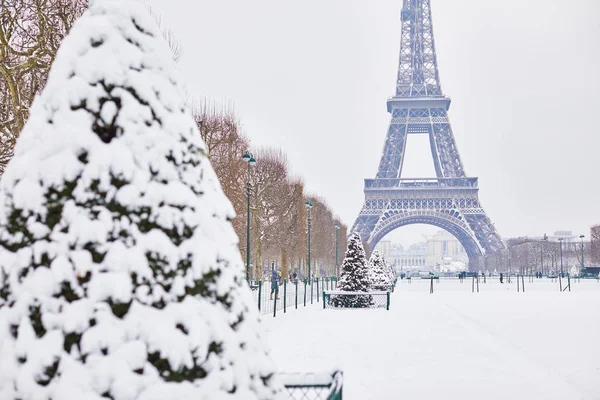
x,y
120,275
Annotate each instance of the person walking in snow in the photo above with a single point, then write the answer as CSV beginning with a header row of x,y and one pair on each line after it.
x,y
274,283
501,278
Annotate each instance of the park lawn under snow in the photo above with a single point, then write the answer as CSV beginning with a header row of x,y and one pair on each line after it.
x,y
453,344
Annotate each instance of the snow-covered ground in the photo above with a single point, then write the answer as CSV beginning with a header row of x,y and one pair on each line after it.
x,y
453,344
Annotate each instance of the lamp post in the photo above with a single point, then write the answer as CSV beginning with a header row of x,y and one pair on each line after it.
x,y
337,268
251,161
582,263
308,205
560,240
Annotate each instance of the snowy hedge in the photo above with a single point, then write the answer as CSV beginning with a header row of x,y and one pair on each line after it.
x,y
120,275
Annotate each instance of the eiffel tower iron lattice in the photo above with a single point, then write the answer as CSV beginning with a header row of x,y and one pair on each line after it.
x,y
451,199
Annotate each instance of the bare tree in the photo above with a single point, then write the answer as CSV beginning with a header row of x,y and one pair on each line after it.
x,y
270,179
30,33
595,245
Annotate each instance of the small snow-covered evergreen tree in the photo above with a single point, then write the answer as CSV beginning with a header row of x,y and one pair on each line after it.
x,y
354,276
389,270
379,272
120,276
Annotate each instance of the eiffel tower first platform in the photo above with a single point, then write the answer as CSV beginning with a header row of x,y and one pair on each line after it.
x,y
449,201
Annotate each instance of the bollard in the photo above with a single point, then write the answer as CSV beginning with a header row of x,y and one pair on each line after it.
x,y
284,295
304,292
323,299
431,286
275,301
259,294
387,307
296,284
560,282
318,289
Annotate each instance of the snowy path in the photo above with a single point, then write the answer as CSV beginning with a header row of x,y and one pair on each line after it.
x,y
497,344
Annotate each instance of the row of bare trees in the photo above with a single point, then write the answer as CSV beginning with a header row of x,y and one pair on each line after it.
x,y
278,214
30,34
527,256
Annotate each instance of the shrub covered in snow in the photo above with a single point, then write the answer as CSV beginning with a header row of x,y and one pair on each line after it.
x,y
354,276
379,272
120,276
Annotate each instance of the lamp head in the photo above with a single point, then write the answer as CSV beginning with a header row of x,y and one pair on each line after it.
x,y
308,204
252,161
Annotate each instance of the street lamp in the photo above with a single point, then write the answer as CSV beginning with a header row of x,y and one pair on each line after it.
x,y
308,205
560,240
582,263
251,161
337,268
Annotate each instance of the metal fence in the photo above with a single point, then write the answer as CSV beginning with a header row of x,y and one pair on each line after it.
x,y
313,386
286,295
340,299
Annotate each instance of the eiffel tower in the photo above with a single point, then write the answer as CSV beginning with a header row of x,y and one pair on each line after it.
x,y
450,200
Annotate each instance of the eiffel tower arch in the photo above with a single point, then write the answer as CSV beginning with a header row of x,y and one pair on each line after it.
x,y
451,199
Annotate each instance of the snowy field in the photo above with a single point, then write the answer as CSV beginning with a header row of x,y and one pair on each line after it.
x,y
453,344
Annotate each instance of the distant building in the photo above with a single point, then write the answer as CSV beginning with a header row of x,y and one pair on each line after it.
x,y
412,258
444,252
385,248
440,252
566,236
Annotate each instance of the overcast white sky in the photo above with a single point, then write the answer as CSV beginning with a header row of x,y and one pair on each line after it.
x,y
313,76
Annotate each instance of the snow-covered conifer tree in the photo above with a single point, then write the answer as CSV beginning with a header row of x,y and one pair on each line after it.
x,y
379,272
120,275
354,276
389,270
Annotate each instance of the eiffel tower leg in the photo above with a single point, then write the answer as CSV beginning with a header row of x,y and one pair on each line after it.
x,y
393,151
365,224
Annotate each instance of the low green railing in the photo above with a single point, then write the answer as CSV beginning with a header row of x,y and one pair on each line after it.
x,y
289,294
341,299
313,386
